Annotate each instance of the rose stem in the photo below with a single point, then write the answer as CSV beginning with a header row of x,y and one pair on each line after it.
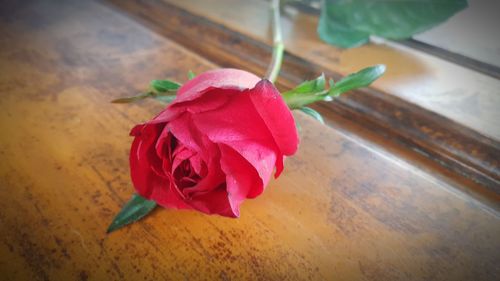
x,y
278,48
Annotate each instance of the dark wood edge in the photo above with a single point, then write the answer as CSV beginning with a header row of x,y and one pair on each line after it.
x,y
459,149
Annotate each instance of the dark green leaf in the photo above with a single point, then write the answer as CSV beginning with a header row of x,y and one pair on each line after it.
x,y
132,99
349,23
164,85
311,112
356,80
336,33
133,211
191,75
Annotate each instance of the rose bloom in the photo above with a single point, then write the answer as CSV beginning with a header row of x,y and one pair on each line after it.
x,y
215,145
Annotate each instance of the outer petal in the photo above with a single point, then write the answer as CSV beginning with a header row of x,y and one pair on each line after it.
x,y
223,79
144,163
228,78
146,168
276,115
238,125
210,99
242,180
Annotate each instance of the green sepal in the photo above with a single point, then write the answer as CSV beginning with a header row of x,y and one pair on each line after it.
x,y
362,78
312,91
191,75
313,113
163,86
305,93
310,86
134,210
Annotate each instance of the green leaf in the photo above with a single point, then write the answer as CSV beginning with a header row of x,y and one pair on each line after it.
x,y
311,112
164,85
191,75
349,23
133,99
336,33
134,210
356,80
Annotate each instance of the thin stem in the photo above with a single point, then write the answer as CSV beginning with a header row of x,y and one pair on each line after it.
x,y
278,46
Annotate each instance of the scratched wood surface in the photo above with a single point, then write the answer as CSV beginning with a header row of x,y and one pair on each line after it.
x,y
342,210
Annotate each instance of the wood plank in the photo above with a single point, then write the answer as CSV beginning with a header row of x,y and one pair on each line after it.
x,y
341,211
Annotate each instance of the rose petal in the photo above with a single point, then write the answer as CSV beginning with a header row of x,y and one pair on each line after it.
x,y
167,196
225,78
242,181
209,99
213,178
238,125
276,115
184,131
214,202
181,153
218,78
144,163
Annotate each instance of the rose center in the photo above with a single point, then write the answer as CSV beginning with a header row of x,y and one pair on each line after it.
x,y
185,175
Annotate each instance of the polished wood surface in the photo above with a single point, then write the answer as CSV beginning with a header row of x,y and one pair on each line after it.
x,y
461,149
342,210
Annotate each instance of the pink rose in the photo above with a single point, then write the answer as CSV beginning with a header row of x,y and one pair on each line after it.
x,y
215,145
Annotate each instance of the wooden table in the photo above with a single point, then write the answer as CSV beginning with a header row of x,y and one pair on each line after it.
x,y
344,209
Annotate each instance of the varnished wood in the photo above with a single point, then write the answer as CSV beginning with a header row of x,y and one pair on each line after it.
x,y
341,210
459,148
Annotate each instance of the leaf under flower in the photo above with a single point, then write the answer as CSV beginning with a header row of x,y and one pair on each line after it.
x,y
134,210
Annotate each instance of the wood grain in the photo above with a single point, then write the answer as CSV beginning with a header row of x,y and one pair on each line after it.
x,y
341,210
459,148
